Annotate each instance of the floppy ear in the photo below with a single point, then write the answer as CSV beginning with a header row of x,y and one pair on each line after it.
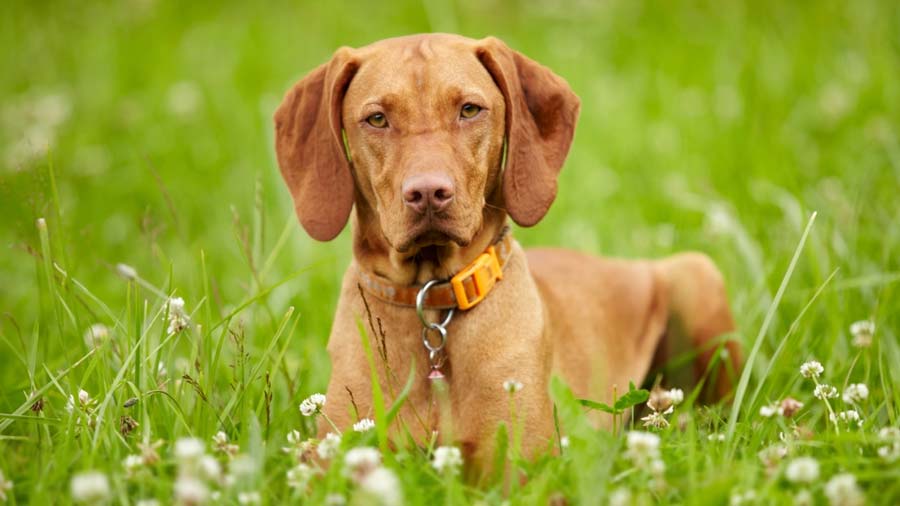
x,y
310,147
541,112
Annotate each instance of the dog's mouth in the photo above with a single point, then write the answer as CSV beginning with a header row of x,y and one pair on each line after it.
x,y
431,235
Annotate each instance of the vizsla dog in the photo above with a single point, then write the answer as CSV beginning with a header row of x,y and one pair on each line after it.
x,y
434,140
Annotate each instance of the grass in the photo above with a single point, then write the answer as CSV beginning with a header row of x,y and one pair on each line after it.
x,y
715,126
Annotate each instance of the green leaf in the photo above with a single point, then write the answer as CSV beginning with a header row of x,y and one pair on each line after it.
x,y
597,405
631,398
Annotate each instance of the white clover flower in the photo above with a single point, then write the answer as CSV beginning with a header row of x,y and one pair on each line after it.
x,y
512,386
132,464
802,470
657,419
178,319
856,393
96,335
768,411
294,438
210,468
889,434
742,498
804,498
220,443
676,395
91,487
789,407
862,332
772,455
220,438
849,417
360,461
447,458
383,484
641,447
364,425
5,486
190,491
824,391
329,446
889,453
249,498
811,369
298,477
842,490
564,442
312,405
189,449
620,497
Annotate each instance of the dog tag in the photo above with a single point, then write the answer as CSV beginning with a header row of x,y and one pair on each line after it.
x,y
435,375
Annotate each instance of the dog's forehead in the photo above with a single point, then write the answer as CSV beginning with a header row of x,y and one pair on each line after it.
x,y
420,61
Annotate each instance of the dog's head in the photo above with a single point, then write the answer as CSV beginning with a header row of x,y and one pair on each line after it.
x,y
413,129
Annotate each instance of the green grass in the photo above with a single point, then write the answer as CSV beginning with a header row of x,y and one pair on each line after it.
x,y
714,126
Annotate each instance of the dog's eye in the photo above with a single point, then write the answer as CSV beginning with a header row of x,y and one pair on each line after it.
x,y
469,111
377,120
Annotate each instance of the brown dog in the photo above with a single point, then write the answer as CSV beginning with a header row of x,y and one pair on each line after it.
x,y
411,132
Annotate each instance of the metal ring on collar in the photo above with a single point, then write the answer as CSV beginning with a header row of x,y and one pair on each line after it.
x,y
420,307
441,330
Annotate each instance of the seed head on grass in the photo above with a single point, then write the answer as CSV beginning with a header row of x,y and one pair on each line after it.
x,y
811,369
802,470
447,459
90,487
178,319
842,490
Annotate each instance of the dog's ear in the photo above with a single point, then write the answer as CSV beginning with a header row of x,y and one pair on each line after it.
x,y
310,147
541,112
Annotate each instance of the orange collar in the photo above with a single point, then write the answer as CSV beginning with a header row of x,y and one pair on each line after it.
x,y
464,290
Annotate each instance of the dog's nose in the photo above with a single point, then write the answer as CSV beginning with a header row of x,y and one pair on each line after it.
x,y
422,192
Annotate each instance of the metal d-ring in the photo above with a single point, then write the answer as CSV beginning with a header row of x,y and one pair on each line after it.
x,y
420,306
441,328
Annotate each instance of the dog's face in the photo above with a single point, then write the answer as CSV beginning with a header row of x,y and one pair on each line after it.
x,y
425,118
424,125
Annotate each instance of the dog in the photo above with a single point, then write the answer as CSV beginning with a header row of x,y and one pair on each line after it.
x,y
436,140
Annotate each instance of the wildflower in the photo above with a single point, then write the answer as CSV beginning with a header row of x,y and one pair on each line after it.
x,y
364,425
312,405
824,391
210,468
641,447
862,331
96,335
188,449
742,498
383,485
190,491
768,411
512,386
220,441
329,446
126,271
91,487
298,446
564,442
361,461
842,490
849,417
789,407
447,458
178,319
5,486
620,497
804,498
657,419
811,369
856,393
132,465
771,456
298,477
662,399
891,436
249,498
802,470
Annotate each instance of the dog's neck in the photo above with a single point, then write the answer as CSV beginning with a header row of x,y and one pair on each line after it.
x,y
374,254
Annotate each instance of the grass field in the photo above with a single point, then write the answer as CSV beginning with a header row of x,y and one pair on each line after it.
x,y
139,133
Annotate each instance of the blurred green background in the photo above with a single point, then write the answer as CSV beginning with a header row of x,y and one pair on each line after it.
x,y
717,126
